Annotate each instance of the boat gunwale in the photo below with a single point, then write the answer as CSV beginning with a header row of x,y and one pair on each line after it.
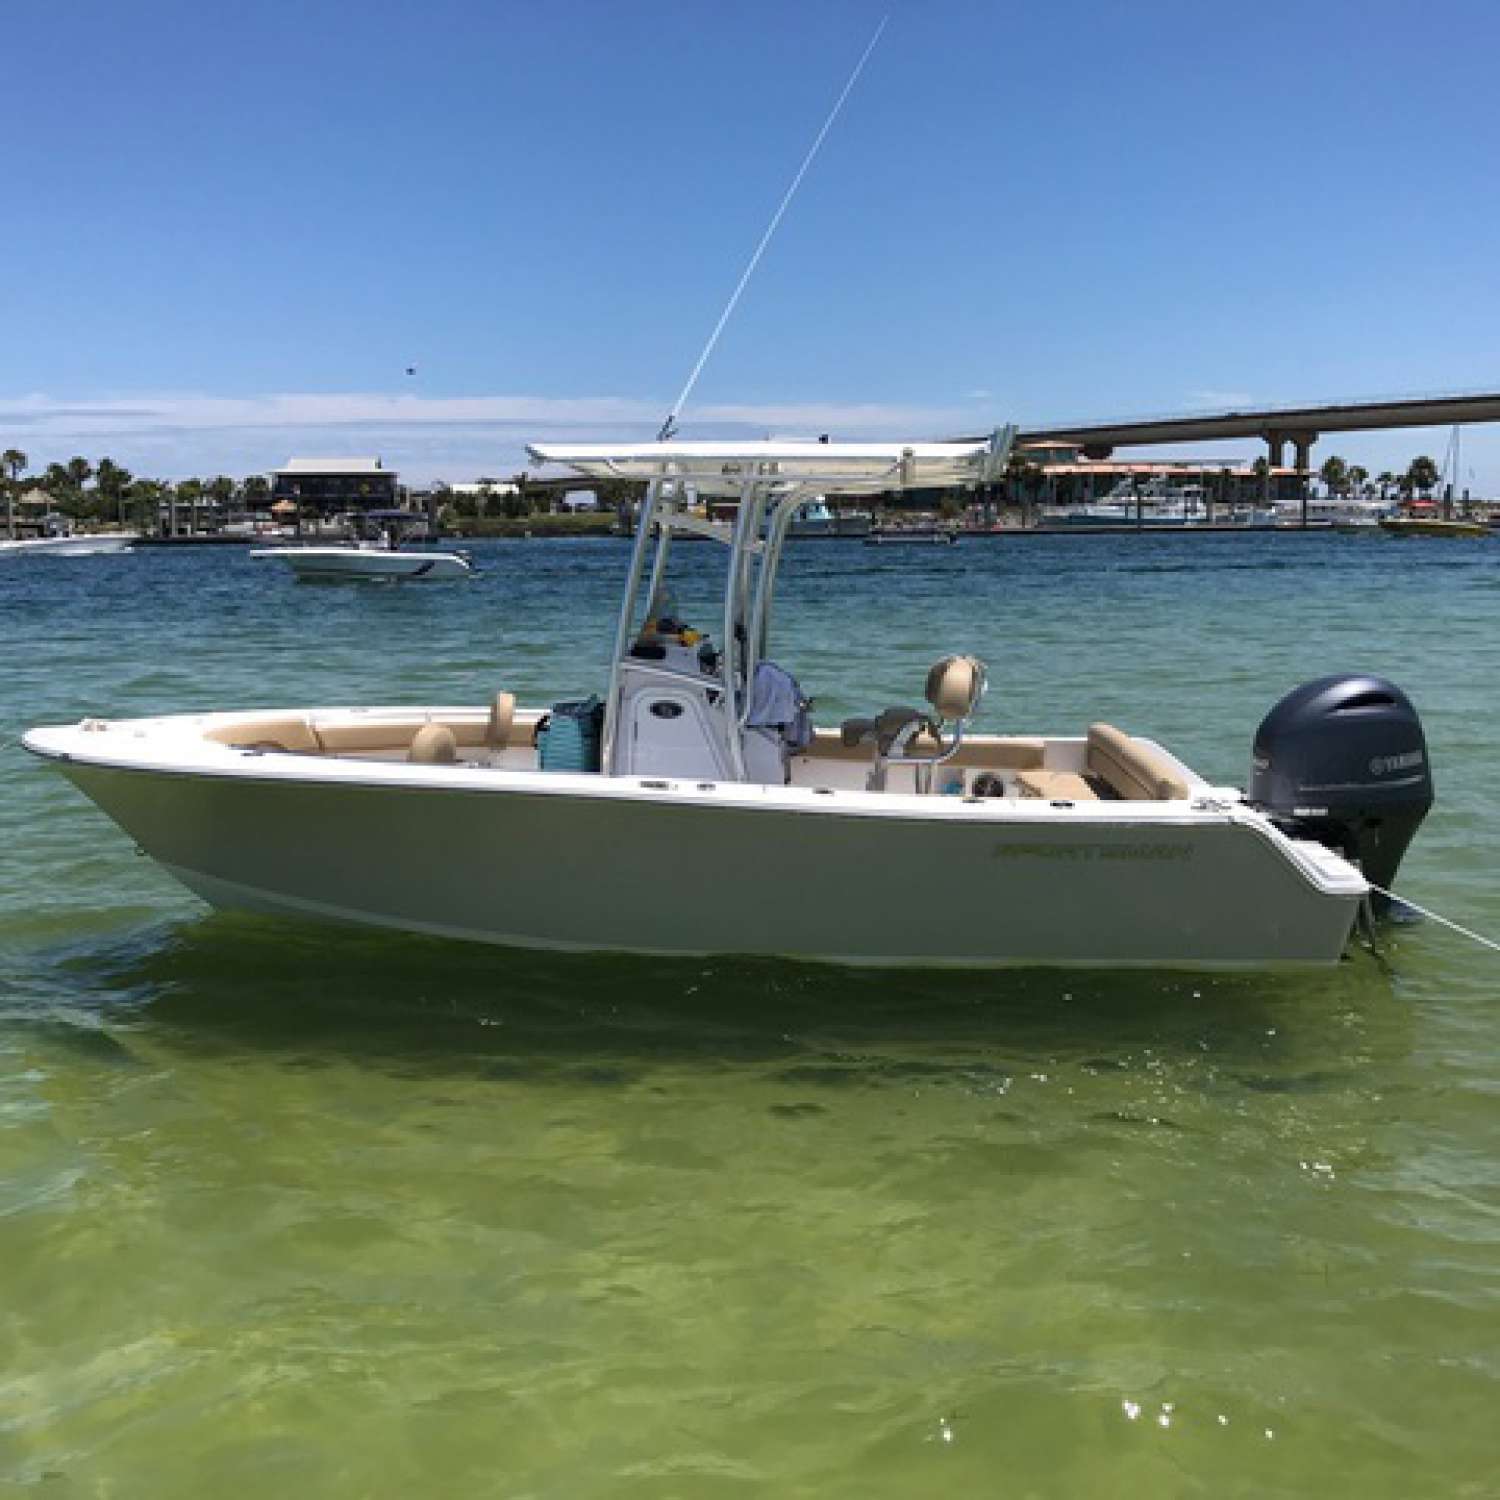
x,y
1209,807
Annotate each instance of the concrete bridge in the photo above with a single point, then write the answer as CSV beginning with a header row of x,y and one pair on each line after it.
x,y
1276,426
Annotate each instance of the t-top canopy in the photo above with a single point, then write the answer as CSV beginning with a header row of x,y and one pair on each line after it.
x,y
832,468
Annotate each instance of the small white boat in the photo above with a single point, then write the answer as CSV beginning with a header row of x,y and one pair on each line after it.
x,y
368,560
80,544
1155,503
1342,512
816,519
378,551
693,808
911,536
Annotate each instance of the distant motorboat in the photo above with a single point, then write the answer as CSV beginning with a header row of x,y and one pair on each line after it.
x,y
379,558
1340,511
364,560
1432,526
816,518
911,536
99,544
1426,519
1156,503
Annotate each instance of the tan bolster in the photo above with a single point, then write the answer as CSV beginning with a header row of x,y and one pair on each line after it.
x,y
502,720
1136,771
984,752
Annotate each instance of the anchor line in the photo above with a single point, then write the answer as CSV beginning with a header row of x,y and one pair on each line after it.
x,y
1433,916
669,427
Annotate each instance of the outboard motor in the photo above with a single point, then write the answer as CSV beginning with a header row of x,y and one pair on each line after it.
x,y
1343,760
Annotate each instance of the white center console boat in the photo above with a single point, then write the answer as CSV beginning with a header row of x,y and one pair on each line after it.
x,y
901,838
383,555
70,544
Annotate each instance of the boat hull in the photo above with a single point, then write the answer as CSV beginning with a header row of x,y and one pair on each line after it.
x,y
579,863
1418,526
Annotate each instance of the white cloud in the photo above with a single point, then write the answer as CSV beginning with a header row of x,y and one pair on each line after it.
x,y
424,437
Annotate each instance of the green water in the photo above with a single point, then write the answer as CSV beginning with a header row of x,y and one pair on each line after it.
x,y
298,1211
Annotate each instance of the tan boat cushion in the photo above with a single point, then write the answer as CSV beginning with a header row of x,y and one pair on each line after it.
x,y
502,718
294,735
433,745
1015,753
356,737
1136,771
981,752
1059,786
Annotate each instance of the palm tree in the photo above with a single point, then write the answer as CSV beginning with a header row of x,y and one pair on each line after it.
x,y
1422,474
14,460
59,485
64,482
1358,478
191,491
1387,482
112,482
220,491
80,471
143,496
1261,468
1334,474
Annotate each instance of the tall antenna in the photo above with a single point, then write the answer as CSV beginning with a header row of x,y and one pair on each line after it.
x,y
669,427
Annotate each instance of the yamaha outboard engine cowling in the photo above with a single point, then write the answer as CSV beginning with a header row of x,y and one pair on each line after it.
x,y
1343,760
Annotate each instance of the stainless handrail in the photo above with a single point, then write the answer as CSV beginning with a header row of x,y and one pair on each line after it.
x,y
644,519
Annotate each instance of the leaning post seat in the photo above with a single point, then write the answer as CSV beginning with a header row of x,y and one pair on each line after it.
x,y
912,737
954,687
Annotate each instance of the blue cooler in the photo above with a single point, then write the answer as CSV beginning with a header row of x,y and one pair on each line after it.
x,y
567,738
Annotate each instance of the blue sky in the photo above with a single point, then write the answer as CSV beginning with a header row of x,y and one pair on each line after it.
x,y
231,231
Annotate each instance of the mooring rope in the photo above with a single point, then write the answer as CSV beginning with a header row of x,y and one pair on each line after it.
x,y
1433,916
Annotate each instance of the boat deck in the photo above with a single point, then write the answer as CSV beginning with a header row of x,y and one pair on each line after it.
x,y
1104,764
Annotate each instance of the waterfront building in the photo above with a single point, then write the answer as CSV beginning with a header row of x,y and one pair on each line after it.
x,y
326,487
1047,480
1064,474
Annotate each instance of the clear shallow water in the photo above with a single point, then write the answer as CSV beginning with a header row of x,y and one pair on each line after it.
x,y
298,1210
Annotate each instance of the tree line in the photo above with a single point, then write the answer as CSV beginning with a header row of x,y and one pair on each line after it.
x,y
115,495
1421,478
107,493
